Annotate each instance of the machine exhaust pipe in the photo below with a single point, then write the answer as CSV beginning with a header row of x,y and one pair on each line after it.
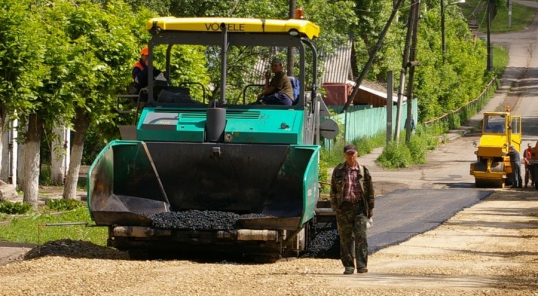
x,y
215,124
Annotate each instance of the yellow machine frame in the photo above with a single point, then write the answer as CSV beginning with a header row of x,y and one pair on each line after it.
x,y
241,25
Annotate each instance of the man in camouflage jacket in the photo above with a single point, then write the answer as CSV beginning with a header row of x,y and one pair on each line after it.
x,y
352,198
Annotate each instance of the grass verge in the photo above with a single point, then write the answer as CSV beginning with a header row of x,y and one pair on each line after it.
x,y
30,228
500,59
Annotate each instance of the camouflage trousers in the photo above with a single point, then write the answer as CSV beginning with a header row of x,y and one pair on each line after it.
x,y
351,220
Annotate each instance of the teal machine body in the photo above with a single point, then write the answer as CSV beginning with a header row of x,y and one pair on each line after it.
x,y
257,161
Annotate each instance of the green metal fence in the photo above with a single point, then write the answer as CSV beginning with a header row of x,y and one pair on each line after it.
x,y
365,121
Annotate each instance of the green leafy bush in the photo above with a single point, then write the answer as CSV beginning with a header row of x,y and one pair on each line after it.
x,y
395,155
45,175
332,156
323,176
63,204
8,207
418,148
428,135
365,145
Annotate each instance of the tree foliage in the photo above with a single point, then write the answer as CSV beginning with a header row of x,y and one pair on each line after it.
x,y
372,18
62,58
22,53
445,86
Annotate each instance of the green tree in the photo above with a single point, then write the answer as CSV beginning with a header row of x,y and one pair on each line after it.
x,y
101,55
22,54
161,7
445,86
372,17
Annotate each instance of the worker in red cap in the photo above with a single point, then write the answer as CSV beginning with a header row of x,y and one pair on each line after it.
x,y
352,199
140,71
529,165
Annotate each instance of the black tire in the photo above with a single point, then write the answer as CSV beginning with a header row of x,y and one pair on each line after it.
x,y
139,254
509,178
263,258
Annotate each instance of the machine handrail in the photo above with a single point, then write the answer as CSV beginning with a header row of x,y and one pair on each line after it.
x,y
198,83
123,111
245,90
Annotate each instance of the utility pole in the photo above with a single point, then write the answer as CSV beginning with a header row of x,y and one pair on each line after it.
x,y
410,122
290,49
490,52
443,41
390,95
405,61
372,55
509,3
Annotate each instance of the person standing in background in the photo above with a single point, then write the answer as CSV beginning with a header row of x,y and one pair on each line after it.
x,y
515,162
529,167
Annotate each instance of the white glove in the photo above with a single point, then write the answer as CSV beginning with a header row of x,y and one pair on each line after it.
x,y
160,77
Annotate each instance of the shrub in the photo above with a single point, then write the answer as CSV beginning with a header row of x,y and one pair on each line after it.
x,y
8,207
45,175
323,176
331,157
429,135
63,204
417,148
395,156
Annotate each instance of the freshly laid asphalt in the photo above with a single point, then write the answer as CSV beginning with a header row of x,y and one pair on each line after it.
x,y
405,213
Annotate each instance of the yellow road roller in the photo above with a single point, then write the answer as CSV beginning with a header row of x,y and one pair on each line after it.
x,y
492,168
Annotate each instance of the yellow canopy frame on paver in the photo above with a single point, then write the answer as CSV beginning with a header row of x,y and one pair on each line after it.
x,y
238,25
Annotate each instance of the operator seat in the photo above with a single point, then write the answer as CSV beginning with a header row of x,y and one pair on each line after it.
x,y
296,89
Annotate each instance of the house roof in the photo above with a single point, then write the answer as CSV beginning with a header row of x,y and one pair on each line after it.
x,y
377,90
337,67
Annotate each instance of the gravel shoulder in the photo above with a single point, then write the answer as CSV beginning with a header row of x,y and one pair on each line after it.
x,y
488,249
